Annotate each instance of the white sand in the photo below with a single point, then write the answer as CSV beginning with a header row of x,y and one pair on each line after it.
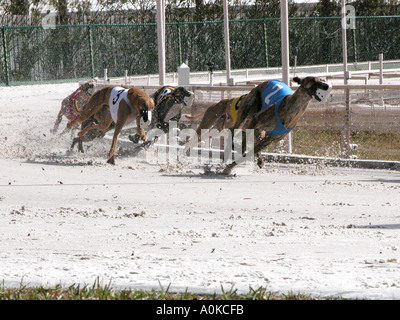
x,y
74,219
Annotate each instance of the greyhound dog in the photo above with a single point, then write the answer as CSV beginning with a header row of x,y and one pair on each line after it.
x,y
219,115
273,105
119,104
80,96
167,100
273,110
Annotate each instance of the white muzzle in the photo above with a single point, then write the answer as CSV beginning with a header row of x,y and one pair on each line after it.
x,y
323,94
145,124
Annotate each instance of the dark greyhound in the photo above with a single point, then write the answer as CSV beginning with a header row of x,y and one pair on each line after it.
x,y
165,99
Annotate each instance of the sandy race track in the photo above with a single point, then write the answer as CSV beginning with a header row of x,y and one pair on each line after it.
x,y
69,219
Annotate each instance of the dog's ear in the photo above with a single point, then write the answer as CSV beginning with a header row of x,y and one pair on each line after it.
x,y
297,80
177,91
149,101
184,92
180,91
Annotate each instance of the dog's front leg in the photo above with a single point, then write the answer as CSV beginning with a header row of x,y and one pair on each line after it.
x,y
139,130
260,145
117,131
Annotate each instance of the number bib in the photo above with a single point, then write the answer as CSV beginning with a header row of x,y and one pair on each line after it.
x,y
274,93
167,92
116,96
235,107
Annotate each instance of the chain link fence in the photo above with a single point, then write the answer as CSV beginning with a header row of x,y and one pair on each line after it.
x,y
34,53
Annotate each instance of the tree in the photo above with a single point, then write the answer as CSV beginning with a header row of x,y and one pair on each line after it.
x,y
269,9
376,7
328,8
15,7
62,8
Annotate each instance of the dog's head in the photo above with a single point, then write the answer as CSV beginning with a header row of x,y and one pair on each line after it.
x,y
145,102
145,105
170,101
88,87
315,87
180,94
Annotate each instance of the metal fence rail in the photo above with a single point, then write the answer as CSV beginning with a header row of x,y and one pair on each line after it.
x,y
34,53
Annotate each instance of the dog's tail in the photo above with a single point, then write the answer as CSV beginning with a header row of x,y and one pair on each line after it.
x,y
191,118
77,109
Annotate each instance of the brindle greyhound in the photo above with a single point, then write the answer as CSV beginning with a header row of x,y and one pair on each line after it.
x,y
270,105
219,115
80,96
282,116
165,99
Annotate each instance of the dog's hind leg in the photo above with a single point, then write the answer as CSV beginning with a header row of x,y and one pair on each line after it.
x,y
90,108
58,121
91,126
80,145
74,142
248,106
211,115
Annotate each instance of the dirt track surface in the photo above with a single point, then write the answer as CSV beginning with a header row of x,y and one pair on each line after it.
x,y
73,219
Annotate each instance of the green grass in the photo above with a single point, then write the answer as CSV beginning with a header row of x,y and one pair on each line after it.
x,y
372,145
106,292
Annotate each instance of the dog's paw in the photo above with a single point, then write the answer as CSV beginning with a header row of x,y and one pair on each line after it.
x,y
111,160
260,163
134,138
226,172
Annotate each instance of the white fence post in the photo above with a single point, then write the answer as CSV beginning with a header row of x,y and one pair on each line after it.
x,y
161,40
346,126
381,102
227,45
285,57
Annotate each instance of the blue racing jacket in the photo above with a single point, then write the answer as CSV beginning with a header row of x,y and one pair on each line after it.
x,y
274,93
